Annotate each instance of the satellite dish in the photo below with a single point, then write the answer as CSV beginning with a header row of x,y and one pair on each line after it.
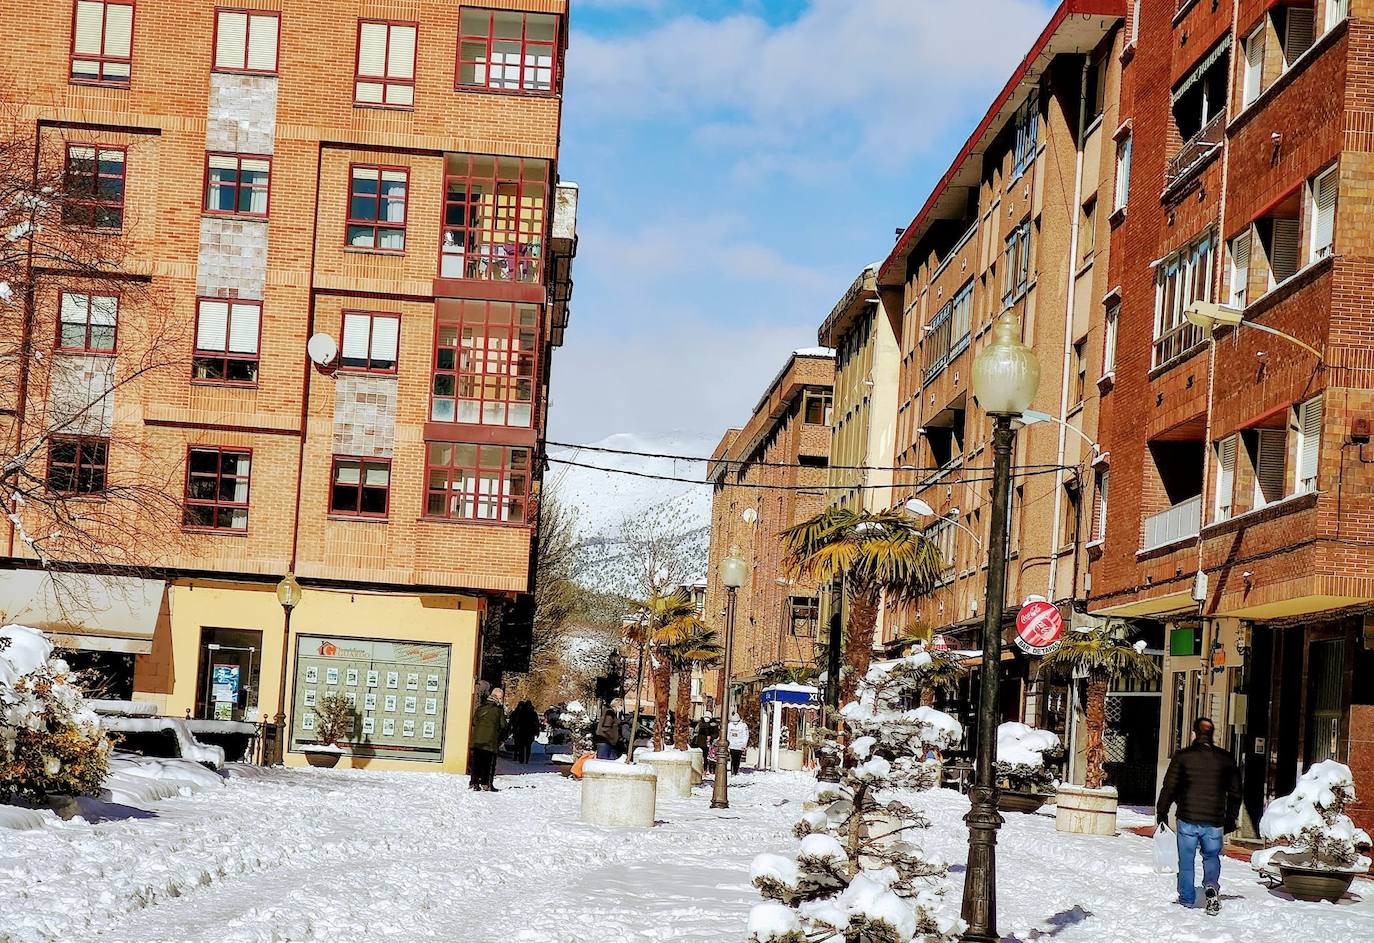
x,y
749,516
322,349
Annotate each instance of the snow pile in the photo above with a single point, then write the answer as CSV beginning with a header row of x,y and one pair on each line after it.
x,y
139,780
616,768
1023,745
1312,824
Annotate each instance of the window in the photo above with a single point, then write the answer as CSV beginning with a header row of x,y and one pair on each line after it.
x,y
1027,135
1017,260
1094,88
803,614
1268,453
1226,479
227,337
507,50
1322,212
484,357
1335,12
1109,339
477,482
1296,28
217,488
1239,251
370,342
386,64
1123,173
1087,232
947,335
1199,100
1182,278
1254,64
360,487
494,218
1099,523
87,323
945,436
1080,372
1309,445
237,184
377,207
102,42
77,465
942,535
1072,509
93,182
246,41
1280,236
816,409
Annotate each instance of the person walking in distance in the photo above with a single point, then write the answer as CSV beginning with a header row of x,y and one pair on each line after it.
x,y
606,737
1204,784
737,736
524,727
488,730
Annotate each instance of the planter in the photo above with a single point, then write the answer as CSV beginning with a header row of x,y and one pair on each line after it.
x,y
1081,811
619,795
1014,800
323,757
1315,884
790,760
674,771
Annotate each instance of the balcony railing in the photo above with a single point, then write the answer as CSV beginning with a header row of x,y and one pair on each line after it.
x,y
1198,147
1181,521
1176,342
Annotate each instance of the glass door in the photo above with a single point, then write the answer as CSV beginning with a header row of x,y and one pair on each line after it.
x,y
1325,683
227,680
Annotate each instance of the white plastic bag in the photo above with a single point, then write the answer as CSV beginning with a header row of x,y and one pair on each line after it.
x,y
1166,851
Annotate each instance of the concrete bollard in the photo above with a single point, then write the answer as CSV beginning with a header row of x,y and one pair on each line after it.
x,y
674,769
618,794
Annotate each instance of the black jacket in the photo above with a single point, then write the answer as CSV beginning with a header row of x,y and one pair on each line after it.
x,y
1204,782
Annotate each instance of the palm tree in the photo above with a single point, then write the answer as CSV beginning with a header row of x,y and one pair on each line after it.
x,y
667,620
1104,656
882,553
699,646
943,672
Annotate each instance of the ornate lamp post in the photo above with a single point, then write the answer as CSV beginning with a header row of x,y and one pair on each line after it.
x,y
733,572
1005,376
289,595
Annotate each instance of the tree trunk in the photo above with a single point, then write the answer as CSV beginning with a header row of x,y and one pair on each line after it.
x,y
663,680
1096,723
858,644
927,697
684,708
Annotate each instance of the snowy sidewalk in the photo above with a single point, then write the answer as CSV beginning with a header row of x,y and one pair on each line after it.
x,y
312,855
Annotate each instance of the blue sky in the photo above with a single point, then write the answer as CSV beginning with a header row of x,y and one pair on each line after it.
x,y
740,162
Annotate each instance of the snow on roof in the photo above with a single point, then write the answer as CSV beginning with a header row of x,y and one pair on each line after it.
x,y
814,352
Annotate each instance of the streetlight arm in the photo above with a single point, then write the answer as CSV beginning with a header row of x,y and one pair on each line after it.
x,y
1277,333
1032,416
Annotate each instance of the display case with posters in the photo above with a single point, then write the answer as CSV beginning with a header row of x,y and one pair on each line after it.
x,y
355,665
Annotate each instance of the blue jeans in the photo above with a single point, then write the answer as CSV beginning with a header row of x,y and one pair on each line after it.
x,y
606,751
1190,837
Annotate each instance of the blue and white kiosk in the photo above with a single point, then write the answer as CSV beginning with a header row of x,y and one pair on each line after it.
x,y
773,754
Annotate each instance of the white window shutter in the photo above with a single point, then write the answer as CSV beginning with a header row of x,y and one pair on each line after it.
x,y
1283,249
213,326
1297,38
1269,466
1324,214
1226,478
90,24
401,61
372,49
1309,444
119,29
1254,66
243,329
355,330
385,333
231,38
1240,269
262,43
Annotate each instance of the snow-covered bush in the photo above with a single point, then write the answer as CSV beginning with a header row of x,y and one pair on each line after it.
x,y
1312,824
858,876
1025,755
580,724
50,741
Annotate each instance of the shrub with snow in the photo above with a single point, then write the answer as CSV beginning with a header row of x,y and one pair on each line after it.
x,y
858,875
1312,824
1025,755
50,741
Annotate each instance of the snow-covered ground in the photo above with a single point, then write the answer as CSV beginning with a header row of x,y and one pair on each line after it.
x,y
312,855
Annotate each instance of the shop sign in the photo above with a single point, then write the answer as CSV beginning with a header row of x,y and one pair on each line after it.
x,y
1039,628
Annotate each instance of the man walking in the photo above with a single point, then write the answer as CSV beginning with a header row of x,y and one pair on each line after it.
x,y
488,729
606,737
737,736
1205,785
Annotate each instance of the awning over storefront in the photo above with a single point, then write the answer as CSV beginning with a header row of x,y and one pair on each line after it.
x,y
84,611
799,695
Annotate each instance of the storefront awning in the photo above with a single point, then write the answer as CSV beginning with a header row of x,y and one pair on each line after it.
x,y
84,611
802,694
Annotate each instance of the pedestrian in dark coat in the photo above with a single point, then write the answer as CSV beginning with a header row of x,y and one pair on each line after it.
x,y
606,737
707,732
1204,784
488,730
524,727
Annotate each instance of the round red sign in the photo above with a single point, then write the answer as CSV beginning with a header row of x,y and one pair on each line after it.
x,y
1039,627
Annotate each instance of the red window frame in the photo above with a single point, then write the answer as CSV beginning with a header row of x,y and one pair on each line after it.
x,y
467,477
85,347
102,58
78,464
385,80
373,317
239,186
247,38
357,509
205,357
85,210
380,201
492,371
468,40
494,224
216,503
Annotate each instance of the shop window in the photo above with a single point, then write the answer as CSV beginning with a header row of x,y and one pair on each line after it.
x,y
494,218
484,363
386,64
102,42
87,323
360,487
217,488
377,207
78,464
1181,279
484,483
507,50
246,41
237,184
370,342
93,184
227,338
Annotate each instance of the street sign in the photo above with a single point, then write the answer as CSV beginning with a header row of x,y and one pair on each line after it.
x,y
1039,628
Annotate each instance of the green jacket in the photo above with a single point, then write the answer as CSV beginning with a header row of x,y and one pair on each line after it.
x,y
488,726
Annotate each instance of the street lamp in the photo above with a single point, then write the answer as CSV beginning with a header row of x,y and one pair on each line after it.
x,y
923,509
289,595
1209,316
1005,376
733,572
1030,417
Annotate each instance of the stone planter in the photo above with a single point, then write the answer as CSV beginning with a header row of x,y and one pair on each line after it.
x,y
790,759
618,795
698,766
1014,800
1083,811
1315,884
323,757
674,771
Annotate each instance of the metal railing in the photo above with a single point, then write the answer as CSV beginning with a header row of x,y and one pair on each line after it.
x,y
1176,342
1181,521
1200,145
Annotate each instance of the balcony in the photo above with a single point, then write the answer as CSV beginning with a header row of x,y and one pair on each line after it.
x,y
1179,522
1198,149
1177,341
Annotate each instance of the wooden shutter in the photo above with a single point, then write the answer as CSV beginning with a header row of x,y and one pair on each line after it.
x,y
1309,443
1226,478
1240,269
231,39
1271,449
1323,214
1283,249
1298,32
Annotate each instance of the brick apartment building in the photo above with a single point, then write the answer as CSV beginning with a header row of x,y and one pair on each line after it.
x,y
1241,490
770,468
385,174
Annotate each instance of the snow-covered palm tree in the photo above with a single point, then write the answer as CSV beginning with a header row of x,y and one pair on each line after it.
x,y
699,646
667,620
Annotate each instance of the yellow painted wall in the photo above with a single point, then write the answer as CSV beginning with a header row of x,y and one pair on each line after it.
x,y
167,677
